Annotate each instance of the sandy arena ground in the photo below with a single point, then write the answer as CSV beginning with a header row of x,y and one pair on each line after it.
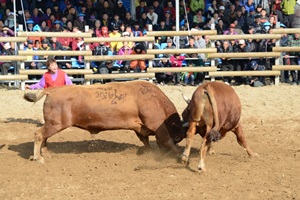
x,y
111,167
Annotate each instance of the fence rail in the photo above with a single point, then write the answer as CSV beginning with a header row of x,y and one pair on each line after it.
x,y
211,53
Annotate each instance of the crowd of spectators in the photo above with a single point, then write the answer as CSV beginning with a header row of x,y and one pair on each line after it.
x,y
110,18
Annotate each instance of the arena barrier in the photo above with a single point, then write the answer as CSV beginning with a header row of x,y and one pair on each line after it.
x,y
150,37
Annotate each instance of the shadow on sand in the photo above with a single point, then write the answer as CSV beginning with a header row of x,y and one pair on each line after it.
x,y
24,120
25,150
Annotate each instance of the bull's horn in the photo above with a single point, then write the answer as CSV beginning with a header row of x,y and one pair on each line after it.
x,y
187,100
186,124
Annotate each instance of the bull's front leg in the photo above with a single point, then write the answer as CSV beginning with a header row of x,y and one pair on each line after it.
x,y
189,141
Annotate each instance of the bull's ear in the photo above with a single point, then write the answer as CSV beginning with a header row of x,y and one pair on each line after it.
x,y
187,100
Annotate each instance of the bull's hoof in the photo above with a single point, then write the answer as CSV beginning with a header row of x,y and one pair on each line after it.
x,y
184,159
201,170
211,152
253,155
40,160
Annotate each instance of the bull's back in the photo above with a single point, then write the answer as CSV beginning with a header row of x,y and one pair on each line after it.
x,y
102,105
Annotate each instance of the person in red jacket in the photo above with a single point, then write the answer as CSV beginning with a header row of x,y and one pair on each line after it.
x,y
54,77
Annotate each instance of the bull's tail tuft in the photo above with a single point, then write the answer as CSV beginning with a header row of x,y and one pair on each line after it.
x,y
214,136
31,97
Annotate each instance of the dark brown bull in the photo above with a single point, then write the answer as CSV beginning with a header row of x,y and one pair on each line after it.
x,y
136,105
214,110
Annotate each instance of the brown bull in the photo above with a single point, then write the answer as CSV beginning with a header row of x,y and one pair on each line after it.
x,y
214,110
136,105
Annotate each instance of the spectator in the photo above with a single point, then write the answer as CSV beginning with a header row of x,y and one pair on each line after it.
x,y
53,78
284,43
231,30
44,27
91,21
47,13
158,10
169,46
30,24
254,80
152,16
220,27
242,64
36,16
163,78
196,5
296,21
57,26
136,30
9,21
120,10
106,21
116,21
294,41
99,49
138,65
144,20
142,8
128,21
114,34
57,46
213,8
257,24
170,7
176,61
288,10
263,16
80,22
168,19
8,49
29,47
227,64
162,27
250,6
199,18
124,50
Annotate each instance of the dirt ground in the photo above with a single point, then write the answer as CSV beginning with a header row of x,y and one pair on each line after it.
x,y
111,167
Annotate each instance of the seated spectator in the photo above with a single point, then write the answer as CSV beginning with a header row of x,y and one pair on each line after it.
x,y
231,30
242,64
220,27
97,28
106,21
57,26
54,77
80,22
213,8
152,16
158,10
114,34
8,49
171,8
57,46
196,62
116,21
168,19
144,20
136,30
195,5
10,21
256,81
169,46
120,9
106,68
142,8
128,21
199,18
124,50
176,61
138,65
227,64
36,16
44,27
163,78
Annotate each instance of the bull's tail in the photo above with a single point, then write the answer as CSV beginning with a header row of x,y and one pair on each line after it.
x,y
214,134
32,97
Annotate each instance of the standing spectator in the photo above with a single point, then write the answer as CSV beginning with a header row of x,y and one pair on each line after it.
x,y
53,78
288,10
294,41
176,61
296,21
227,64
284,43
242,64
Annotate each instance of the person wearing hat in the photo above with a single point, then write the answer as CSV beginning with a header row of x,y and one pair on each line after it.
x,y
120,9
140,64
54,77
168,19
30,25
80,22
57,26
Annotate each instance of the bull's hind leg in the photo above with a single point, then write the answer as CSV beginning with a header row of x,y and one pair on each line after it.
x,y
38,140
241,139
189,141
205,145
